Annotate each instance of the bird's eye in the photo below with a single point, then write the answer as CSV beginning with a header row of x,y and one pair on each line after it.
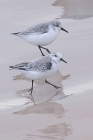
x,y
55,55
57,25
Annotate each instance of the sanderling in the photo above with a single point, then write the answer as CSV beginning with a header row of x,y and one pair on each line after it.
x,y
40,68
42,34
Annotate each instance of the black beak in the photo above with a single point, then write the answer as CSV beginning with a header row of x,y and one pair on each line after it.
x,y
62,60
64,30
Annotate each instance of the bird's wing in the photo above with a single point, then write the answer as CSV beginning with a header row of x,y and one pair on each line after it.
x,y
37,29
42,64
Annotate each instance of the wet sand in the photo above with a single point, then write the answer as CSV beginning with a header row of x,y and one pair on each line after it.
x,y
64,114
80,9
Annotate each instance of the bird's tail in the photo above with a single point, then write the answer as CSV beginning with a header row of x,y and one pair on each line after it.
x,y
11,67
15,33
15,67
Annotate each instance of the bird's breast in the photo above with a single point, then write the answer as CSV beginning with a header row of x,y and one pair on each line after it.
x,y
41,39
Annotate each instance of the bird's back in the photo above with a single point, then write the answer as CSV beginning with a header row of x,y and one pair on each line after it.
x,y
37,29
42,64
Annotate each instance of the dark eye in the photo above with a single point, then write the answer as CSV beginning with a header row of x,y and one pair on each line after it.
x,y
55,55
57,25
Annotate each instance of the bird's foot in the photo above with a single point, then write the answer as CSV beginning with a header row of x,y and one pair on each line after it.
x,y
48,51
57,87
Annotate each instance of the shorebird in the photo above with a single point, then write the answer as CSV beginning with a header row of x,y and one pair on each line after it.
x,y
41,34
41,68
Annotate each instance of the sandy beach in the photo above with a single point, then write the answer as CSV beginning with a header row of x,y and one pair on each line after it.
x,y
63,114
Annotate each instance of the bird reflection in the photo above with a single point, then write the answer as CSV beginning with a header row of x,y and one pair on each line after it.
x,y
43,91
43,108
54,130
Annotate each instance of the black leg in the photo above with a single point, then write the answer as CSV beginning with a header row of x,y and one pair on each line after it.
x,y
32,91
52,84
40,50
31,88
46,49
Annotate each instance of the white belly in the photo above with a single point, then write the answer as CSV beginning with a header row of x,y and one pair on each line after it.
x,y
34,75
41,39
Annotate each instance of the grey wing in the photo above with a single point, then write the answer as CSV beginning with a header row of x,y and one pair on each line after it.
x,y
37,29
40,65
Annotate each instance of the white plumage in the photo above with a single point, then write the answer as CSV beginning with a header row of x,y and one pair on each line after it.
x,y
41,34
42,67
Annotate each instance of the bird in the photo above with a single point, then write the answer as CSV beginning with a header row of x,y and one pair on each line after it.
x,y
40,68
41,34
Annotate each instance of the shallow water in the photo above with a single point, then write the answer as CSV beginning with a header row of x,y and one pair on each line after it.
x,y
57,115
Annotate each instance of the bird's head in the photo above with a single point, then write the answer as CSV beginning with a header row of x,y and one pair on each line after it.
x,y
57,57
57,24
